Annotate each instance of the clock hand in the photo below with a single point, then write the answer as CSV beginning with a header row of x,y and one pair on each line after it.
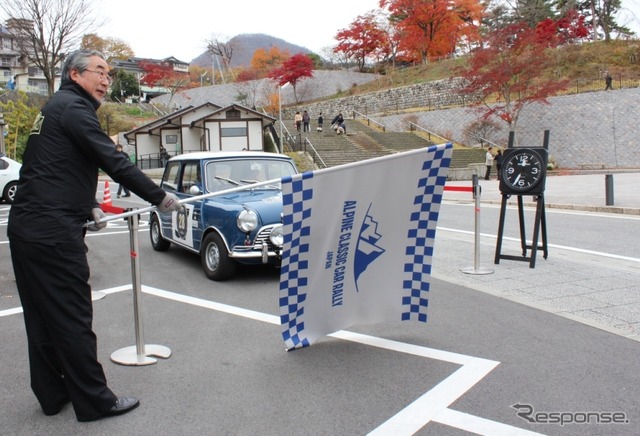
x,y
517,178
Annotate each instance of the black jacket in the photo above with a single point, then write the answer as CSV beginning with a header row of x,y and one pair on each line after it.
x,y
59,174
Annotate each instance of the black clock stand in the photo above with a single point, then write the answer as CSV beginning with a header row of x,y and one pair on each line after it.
x,y
539,230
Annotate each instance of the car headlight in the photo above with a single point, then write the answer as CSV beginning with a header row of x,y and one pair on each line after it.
x,y
277,236
247,221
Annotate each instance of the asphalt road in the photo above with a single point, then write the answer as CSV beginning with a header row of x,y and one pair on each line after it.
x,y
476,365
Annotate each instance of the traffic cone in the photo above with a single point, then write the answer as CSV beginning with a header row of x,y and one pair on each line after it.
x,y
106,205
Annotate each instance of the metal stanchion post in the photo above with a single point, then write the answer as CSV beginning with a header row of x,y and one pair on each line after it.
x,y
608,186
139,354
477,269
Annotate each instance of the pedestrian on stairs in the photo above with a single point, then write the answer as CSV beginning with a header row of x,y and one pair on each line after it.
x,y
306,119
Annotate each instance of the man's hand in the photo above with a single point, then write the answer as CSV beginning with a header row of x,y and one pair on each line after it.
x,y
170,203
97,215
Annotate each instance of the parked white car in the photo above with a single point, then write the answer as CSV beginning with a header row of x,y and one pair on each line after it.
x,y
9,175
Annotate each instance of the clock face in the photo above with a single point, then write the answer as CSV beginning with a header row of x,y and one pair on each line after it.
x,y
522,170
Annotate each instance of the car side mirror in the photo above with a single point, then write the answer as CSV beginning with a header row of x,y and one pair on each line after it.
x,y
195,190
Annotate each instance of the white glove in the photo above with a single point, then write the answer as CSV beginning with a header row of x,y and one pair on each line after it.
x,y
97,215
170,203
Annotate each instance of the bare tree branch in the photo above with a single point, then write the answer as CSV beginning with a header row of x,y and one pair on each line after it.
x,y
47,30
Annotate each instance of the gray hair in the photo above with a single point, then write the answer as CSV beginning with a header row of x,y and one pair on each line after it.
x,y
78,60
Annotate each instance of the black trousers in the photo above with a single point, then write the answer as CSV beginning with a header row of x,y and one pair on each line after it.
x,y
487,174
56,299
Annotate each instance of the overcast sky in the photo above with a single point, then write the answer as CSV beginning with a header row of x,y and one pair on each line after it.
x,y
158,30
154,30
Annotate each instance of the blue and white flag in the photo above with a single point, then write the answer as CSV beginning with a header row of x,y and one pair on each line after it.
x,y
359,243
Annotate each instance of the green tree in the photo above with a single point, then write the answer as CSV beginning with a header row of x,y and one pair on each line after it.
x,y
20,111
124,85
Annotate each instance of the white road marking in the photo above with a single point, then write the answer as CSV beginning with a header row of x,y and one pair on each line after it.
x,y
433,405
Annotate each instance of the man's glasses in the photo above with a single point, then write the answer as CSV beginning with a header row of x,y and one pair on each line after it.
x,y
103,75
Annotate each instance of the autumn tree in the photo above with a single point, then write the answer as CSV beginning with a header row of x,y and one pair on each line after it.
x,y
505,75
264,60
293,70
47,30
163,75
567,29
434,27
111,48
361,39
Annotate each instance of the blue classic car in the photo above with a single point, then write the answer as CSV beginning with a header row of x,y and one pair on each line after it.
x,y
242,224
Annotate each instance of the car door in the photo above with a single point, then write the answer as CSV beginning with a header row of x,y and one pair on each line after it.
x,y
186,224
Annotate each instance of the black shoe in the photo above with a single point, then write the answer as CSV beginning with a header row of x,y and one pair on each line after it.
x,y
123,405
127,195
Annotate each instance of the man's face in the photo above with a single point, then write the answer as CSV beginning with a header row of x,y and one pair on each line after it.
x,y
95,79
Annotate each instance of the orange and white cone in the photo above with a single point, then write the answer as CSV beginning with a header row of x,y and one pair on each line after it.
x,y
106,205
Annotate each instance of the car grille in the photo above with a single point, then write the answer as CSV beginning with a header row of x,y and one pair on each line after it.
x,y
262,238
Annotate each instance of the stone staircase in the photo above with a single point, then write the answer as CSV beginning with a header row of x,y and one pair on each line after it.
x,y
363,142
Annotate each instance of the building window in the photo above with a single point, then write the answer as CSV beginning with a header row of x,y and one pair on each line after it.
x,y
171,139
228,132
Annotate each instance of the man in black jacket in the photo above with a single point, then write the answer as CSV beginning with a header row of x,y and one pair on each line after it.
x,y
54,200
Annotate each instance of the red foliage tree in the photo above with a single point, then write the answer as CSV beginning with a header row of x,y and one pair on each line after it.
x,y
508,69
163,75
293,70
361,39
567,29
432,28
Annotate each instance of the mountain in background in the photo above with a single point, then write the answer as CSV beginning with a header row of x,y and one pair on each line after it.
x,y
246,44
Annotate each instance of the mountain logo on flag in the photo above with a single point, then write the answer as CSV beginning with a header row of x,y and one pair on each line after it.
x,y
367,249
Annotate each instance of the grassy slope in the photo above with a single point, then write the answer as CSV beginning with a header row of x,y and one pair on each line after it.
x,y
584,62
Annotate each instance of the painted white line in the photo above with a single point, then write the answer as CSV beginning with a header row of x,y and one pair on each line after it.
x,y
232,310
561,247
419,413
478,425
431,406
8,312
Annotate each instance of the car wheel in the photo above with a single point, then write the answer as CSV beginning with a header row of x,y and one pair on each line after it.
x,y
215,258
155,234
10,192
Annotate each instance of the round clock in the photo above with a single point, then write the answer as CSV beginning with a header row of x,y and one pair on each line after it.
x,y
523,170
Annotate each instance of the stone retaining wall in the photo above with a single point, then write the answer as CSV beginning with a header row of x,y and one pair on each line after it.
x,y
432,95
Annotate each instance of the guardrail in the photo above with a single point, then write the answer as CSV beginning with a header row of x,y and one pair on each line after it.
x,y
369,120
431,136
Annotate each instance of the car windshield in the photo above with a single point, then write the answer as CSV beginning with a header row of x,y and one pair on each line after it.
x,y
222,175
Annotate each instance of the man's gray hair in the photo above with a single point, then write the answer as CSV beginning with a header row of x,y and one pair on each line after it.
x,y
78,60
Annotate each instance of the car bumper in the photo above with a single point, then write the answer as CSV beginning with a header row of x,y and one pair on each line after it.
x,y
263,253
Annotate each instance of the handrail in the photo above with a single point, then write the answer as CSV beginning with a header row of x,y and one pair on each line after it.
x,y
414,126
315,152
369,120
491,143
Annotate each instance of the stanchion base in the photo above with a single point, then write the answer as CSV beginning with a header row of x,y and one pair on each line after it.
x,y
478,271
129,355
97,295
